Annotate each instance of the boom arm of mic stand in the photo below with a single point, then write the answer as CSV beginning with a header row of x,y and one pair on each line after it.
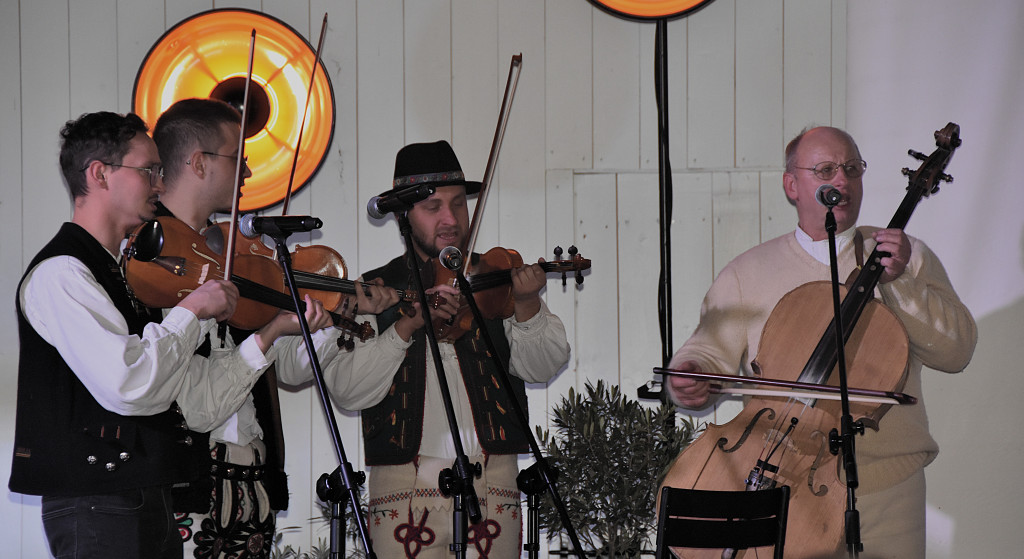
x,y
347,475
530,479
459,480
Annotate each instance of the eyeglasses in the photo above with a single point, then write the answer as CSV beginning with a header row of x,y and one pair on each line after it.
x,y
155,171
827,169
245,160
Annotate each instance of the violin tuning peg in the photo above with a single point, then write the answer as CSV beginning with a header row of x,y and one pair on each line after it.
x,y
917,155
558,252
905,171
946,178
573,250
579,277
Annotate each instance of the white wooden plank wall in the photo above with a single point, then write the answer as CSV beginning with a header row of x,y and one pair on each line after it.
x,y
578,165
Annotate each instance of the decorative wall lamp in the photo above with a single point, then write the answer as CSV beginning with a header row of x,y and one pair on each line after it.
x,y
206,56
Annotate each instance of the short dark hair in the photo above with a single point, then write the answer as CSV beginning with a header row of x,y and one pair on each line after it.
x,y
100,136
186,125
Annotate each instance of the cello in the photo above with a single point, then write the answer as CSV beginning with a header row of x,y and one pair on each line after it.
x,y
777,440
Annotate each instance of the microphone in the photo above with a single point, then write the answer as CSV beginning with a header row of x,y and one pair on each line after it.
x,y
451,258
828,196
397,200
250,225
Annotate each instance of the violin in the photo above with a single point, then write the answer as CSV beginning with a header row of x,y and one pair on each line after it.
x,y
166,260
777,440
490,281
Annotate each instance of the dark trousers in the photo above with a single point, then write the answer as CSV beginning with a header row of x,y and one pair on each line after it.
x,y
133,524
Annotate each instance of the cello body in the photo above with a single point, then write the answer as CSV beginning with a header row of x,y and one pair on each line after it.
x,y
724,456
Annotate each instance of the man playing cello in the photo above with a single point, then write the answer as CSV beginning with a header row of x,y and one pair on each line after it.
x,y
913,285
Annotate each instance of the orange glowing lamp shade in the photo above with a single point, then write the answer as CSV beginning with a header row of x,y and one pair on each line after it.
x,y
651,9
207,56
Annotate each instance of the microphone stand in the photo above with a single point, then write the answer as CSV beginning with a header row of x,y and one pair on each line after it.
x,y
457,481
844,441
344,482
533,480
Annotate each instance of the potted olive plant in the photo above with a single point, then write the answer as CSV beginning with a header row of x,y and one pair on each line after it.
x,y
611,454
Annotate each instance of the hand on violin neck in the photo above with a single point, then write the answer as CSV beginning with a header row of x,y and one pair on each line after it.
x,y
442,300
286,323
688,392
213,299
375,297
527,281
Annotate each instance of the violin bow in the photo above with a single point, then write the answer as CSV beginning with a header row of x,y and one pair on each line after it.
x,y
229,252
806,389
305,110
499,134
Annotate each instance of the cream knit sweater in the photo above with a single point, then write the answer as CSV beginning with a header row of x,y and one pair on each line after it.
x,y
941,330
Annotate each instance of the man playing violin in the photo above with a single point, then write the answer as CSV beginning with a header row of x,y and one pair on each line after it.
x,y
198,143
407,440
102,381
914,285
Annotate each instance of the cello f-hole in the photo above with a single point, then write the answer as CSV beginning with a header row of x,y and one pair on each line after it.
x,y
746,432
822,450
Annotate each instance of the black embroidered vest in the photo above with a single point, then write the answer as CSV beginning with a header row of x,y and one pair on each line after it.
x,y
393,429
65,442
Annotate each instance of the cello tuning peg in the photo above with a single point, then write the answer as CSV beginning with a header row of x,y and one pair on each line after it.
x,y
917,155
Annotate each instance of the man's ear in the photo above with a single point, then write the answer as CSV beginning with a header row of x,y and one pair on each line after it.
x,y
789,186
197,162
95,173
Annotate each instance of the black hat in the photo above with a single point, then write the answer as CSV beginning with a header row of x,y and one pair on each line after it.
x,y
430,163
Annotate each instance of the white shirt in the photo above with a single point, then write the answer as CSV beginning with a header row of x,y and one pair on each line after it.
x,y
361,379
132,375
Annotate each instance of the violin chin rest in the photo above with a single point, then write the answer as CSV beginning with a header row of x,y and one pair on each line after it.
x,y
148,242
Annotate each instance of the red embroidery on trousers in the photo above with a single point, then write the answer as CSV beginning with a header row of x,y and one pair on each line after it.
x,y
482,535
413,537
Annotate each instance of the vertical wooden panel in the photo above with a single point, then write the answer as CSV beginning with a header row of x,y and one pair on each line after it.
x,y
807,73
93,57
597,338
568,81
45,109
692,251
777,214
522,154
616,92
562,301
758,83
23,529
140,23
177,10
380,121
428,71
479,69
838,63
638,266
711,85
736,216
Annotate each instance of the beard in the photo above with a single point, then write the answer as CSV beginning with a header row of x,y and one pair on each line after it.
x,y
427,245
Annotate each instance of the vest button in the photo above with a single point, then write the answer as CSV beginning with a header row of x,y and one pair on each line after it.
x,y
188,440
124,456
111,466
91,459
